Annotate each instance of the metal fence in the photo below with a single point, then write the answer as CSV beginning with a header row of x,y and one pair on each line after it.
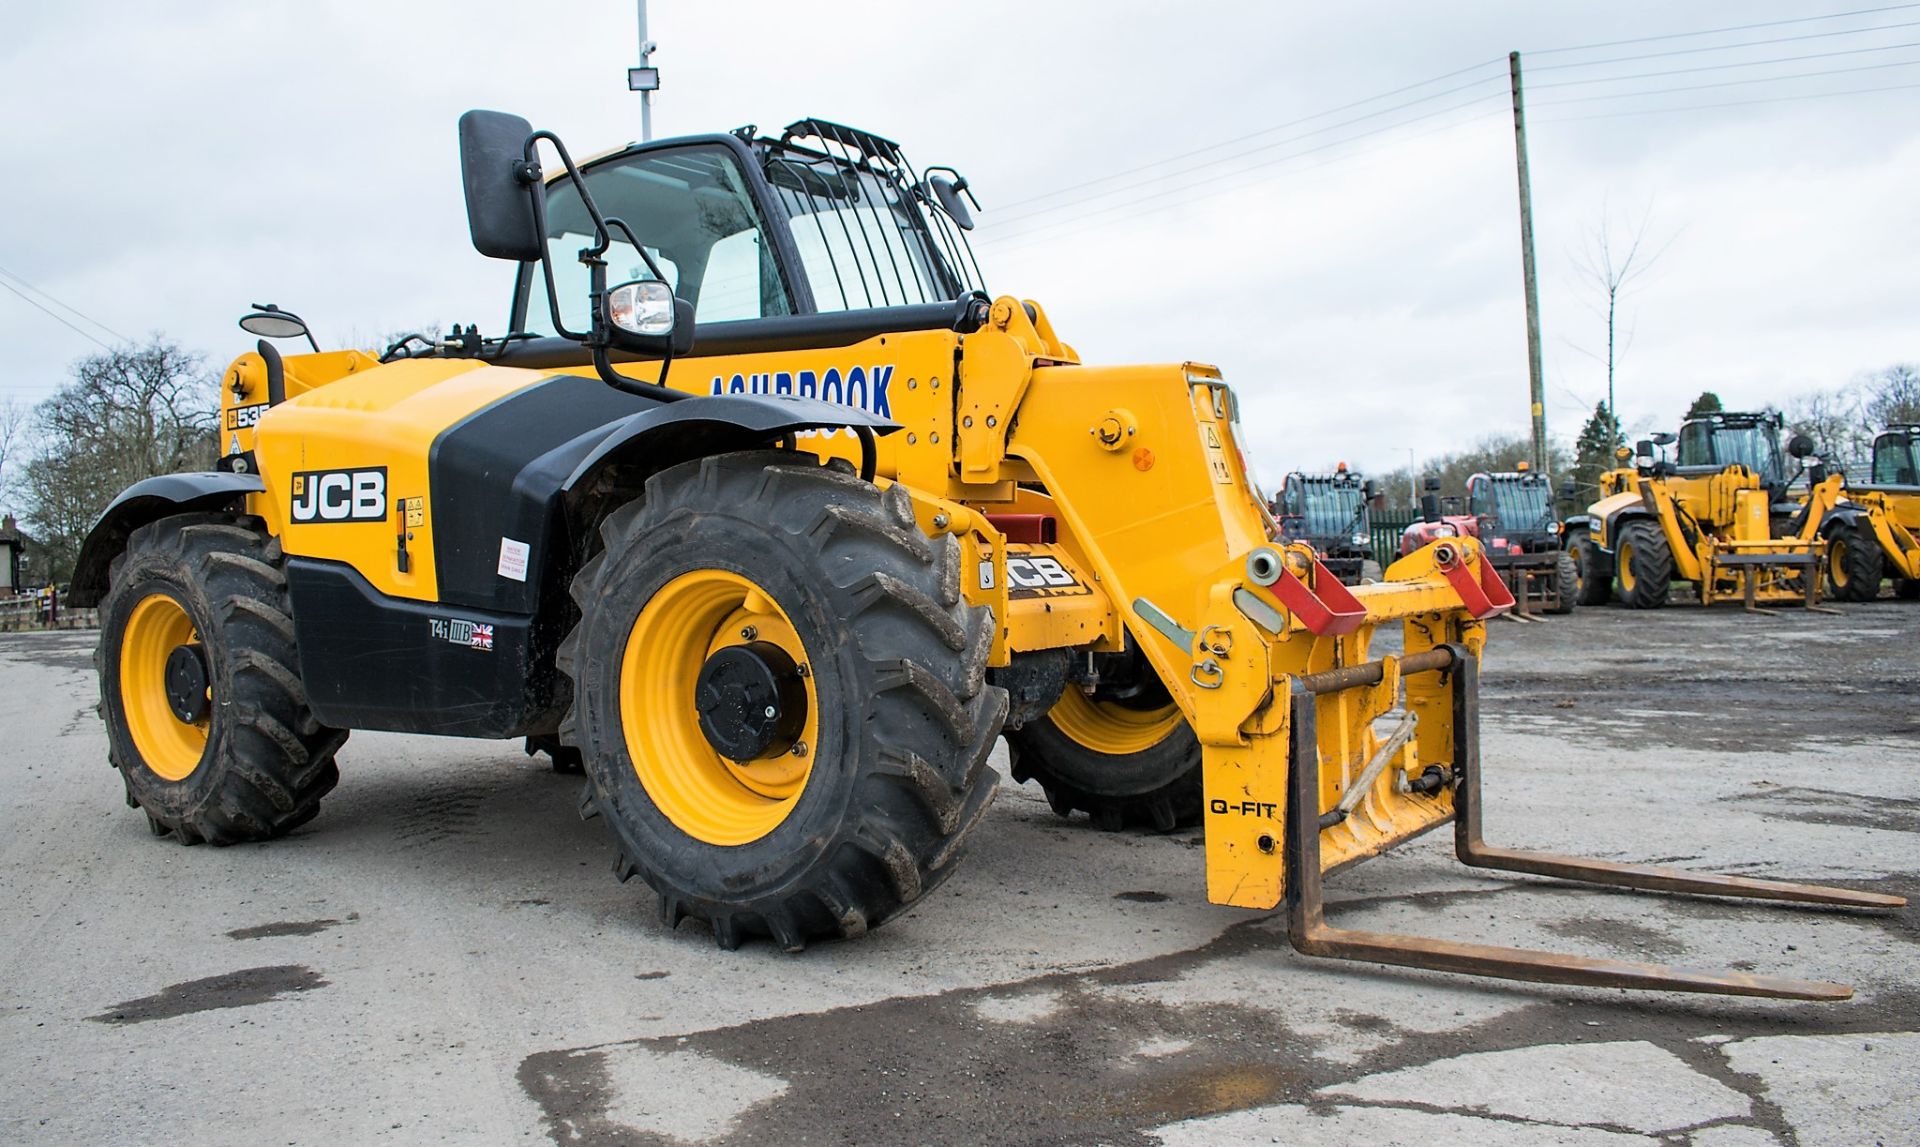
x,y
1387,528
29,611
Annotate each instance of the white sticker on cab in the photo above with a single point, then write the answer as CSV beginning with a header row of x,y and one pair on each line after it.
x,y
513,559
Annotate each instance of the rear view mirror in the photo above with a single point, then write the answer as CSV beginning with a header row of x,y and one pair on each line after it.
x,y
1430,484
1662,438
948,193
1371,489
500,185
1800,446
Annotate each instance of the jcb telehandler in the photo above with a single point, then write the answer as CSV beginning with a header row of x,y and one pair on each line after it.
x,y
1873,532
1718,517
1330,513
1511,512
782,606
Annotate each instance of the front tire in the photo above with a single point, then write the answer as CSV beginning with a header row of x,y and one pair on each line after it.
x,y
1855,563
1124,755
1645,564
861,804
207,719
1593,570
1566,578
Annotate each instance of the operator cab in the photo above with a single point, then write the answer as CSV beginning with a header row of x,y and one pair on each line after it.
x,y
1517,505
823,219
1896,456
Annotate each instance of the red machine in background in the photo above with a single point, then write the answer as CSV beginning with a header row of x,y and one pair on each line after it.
x,y
1512,515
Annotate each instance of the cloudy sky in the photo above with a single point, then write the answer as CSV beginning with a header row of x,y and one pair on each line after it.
x,y
1222,182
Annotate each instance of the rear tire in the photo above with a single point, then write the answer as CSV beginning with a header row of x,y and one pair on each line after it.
x,y
1855,563
839,834
1125,759
257,764
1593,570
1645,565
1566,576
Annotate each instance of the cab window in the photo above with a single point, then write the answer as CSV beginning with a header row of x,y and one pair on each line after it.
x,y
1893,461
1696,445
1478,504
691,206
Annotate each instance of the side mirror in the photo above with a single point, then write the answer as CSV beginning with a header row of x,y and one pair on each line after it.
x,y
1663,438
1800,446
500,185
1430,505
947,191
1568,489
270,322
1370,489
1430,484
646,317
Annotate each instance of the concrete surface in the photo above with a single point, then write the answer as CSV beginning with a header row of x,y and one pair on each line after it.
x,y
442,956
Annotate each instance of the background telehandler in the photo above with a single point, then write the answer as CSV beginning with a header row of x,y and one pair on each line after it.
x,y
1512,514
1873,532
1330,513
1718,516
764,508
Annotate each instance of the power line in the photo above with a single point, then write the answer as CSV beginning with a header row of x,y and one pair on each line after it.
x,y
1532,67
1263,131
1726,84
68,307
1725,104
1210,188
55,316
1266,147
1724,67
1719,31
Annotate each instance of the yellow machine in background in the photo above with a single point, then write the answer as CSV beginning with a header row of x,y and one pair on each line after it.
x,y
1873,533
1718,518
771,520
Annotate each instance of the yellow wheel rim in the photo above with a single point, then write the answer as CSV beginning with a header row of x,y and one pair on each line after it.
x,y
707,796
1837,562
1625,564
170,747
1112,729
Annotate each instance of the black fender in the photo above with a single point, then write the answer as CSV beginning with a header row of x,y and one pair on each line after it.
x,y
147,501
676,432
1621,517
1576,522
1846,514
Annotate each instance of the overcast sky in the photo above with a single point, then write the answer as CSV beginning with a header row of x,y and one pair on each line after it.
x,y
172,164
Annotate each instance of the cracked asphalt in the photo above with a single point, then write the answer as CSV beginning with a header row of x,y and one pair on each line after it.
x,y
443,956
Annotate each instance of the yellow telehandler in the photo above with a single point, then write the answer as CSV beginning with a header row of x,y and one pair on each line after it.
x,y
766,515
1873,531
1718,517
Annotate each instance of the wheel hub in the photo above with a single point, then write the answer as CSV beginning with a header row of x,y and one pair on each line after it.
x,y
186,683
752,701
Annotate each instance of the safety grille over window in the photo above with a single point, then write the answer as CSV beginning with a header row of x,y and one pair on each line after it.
x,y
868,233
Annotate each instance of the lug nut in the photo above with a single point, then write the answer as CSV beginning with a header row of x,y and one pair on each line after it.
x,y
799,749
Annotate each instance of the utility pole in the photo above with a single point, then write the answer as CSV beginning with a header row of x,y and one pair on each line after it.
x,y
1535,372
644,79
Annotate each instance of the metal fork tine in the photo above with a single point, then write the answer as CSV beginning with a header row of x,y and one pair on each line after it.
x,y
1309,933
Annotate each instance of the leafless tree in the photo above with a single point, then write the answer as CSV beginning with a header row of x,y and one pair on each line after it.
x,y
14,417
1616,257
1892,395
128,414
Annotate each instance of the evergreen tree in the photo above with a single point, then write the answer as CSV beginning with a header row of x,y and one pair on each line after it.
x,y
1707,403
1593,454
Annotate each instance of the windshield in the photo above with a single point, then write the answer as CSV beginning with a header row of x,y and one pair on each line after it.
x,y
1325,509
1895,460
1755,447
866,235
693,202
1522,503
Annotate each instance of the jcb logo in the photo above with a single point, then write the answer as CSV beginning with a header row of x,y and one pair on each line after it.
x,y
340,495
245,417
1037,573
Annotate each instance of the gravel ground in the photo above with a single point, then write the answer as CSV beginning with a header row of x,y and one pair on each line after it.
x,y
442,955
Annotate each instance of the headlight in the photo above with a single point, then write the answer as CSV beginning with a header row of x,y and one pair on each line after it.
x,y
1553,527
1443,530
641,308
1361,539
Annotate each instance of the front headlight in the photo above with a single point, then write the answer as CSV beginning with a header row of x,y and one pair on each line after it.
x,y
1361,539
1443,530
1553,527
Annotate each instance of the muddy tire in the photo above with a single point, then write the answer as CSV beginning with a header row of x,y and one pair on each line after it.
x,y
1566,584
882,669
1592,569
1125,757
207,719
1644,564
1855,563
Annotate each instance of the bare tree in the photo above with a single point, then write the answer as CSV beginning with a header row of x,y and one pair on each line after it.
x,y
14,417
1892,395
128,414
1834,420
1612,261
